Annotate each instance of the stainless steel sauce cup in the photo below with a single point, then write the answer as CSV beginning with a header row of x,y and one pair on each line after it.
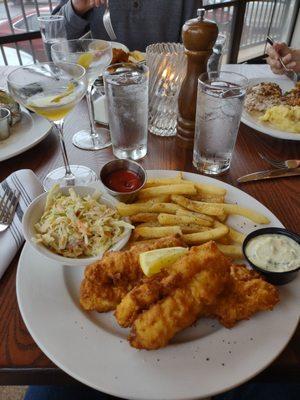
x,y
5,121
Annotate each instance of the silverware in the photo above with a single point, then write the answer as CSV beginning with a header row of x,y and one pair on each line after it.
x,y
107,23
8,205
288,72
269,174
291,164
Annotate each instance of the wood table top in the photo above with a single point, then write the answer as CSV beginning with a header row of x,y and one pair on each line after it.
x,y
21,361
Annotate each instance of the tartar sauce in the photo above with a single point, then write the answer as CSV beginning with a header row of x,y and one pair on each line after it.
x,y
274,252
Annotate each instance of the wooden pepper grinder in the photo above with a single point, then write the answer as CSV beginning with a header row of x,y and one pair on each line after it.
x,y
199,36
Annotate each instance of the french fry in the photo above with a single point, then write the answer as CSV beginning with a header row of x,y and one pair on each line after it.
x,y
198,206
222,217
225,239
156,232
245,212
187,188
192,228
212,189
143,217
233,251
236,236
202,237
127,210
207,197
159,199
164,181
183,211
170,219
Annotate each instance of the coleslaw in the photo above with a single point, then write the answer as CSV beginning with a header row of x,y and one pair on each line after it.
x,y
75,226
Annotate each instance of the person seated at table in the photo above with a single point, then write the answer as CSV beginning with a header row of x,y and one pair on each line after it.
x,y
290,57
137,23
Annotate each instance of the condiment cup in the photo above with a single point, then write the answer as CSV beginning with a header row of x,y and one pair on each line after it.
x,y
276,278
34,213
5,121
126,165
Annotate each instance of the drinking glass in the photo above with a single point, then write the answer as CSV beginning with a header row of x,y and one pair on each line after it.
x,y
126,87
52,92
94,55
53,30
167,69
219,108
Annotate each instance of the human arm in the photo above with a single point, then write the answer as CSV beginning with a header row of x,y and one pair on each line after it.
x,y
76,13
290,57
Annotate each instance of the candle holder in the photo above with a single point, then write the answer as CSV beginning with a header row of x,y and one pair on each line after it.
x,y
167,67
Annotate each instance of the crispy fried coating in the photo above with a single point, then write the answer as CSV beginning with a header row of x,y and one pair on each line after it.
x,y
155,327
245,294
101,298
122,267
154,288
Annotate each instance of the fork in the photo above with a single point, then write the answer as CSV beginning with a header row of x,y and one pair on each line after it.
x,y
290,164
288,72
107,23
8,204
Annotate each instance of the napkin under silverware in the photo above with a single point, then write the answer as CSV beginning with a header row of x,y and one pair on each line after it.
x,y
27,183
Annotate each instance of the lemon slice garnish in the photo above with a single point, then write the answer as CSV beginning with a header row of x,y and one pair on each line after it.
x,y
69,90
85,60
154,261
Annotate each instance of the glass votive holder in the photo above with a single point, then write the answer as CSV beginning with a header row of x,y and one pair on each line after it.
x,y
167,68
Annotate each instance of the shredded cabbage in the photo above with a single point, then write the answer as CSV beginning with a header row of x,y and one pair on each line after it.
x,y
75,226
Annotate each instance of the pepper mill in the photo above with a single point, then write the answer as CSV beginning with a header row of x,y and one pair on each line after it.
x,y
199,36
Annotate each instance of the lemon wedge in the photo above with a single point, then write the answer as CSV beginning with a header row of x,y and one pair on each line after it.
x,y
69,90
85,60
154,261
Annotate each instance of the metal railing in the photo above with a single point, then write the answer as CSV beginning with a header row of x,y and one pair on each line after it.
x,y
247,21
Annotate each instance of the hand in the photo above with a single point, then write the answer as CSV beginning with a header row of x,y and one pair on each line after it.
x,y
290,57
83,6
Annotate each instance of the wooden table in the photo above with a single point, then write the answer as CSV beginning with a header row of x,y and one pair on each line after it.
x,y
21,361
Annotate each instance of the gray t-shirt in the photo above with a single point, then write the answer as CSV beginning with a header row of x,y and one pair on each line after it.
x,y
137,23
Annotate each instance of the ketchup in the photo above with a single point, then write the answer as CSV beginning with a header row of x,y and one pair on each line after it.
x,y
123,180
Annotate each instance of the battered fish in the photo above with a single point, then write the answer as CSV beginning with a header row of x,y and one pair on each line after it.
x,y
153,289
245,294
122,267
155,327
107,281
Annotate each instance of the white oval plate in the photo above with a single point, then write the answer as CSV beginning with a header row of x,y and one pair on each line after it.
x,y
203,360
252,122
25,134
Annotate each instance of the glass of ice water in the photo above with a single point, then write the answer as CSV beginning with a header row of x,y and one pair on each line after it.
x,y
126,88
219,108
53,30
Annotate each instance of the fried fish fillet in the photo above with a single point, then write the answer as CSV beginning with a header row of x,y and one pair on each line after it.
x,y
155,327
107,281
123,266
101,298
245,294
154,288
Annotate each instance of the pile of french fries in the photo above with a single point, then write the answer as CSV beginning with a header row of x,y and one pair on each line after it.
x,y
196,211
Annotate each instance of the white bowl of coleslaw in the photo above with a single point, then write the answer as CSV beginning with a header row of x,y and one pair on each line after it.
x,y
75,226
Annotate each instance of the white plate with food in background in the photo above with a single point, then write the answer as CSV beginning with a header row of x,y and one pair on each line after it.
x,y
201,361
254,122
25,134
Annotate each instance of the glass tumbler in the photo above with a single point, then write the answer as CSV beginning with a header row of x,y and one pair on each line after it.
x,y
220,101
126,88
167,68
53,30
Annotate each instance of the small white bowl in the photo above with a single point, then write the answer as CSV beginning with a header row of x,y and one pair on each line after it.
x,y
35,211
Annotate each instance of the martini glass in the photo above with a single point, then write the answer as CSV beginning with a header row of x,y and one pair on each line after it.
x,y
94,55
52,92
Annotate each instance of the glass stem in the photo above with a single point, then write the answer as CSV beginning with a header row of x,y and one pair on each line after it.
x,y
59,126
91,110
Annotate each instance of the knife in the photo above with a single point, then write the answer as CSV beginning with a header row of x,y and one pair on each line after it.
x,y
269,174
